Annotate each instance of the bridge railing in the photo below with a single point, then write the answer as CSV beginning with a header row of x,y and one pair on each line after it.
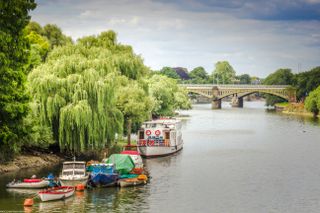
x,y
251,86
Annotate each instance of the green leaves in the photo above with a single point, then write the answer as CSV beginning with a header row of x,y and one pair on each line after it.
x,y
312,102
13,59
223,73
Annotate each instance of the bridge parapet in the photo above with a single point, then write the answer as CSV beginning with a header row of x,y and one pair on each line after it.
x,y
219,91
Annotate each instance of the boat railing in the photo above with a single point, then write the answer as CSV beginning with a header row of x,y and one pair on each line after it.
x,y
154,143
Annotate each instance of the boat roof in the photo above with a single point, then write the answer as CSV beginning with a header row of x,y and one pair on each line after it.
x,y
73,162
163,121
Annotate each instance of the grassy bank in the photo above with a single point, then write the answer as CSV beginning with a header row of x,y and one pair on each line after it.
x,y
293,109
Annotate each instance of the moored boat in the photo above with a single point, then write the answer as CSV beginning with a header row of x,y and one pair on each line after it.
x,y
136,158
160,137
103,175
73,173
131,182
56,193
29,184
134,181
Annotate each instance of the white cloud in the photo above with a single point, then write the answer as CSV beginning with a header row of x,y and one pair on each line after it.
x,y
167,36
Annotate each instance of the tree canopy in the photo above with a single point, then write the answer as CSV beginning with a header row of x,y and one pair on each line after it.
x,y
169,72
279,77
199,76
312,102
13,59
305,82
223,73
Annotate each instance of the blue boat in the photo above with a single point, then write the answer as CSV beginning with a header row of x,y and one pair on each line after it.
x,y
103,175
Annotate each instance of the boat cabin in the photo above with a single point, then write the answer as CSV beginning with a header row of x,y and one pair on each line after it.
x,y
73,168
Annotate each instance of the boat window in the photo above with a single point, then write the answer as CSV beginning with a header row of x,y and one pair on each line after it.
x,y
78,173
167,135
141,134
68,166
68,173
153,125
79,166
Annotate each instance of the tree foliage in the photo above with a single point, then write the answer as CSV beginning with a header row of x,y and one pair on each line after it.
x,y
169,72
223,73
305,82
244,79
279,77
55,36
76,90
167,96
199,76
312,102
13,59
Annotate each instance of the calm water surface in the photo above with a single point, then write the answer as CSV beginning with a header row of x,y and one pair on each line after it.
x,y
234,160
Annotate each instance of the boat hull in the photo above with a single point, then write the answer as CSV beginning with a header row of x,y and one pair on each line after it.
x,y
103,180
131,182
74,181
29,185
50,195
158,151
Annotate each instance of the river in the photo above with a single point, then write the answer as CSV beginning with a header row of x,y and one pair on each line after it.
x,y
234,160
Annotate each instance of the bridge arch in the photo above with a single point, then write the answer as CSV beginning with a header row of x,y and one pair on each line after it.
x,y
244,94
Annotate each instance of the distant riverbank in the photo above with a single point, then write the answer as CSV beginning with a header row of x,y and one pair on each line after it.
x,y
293,109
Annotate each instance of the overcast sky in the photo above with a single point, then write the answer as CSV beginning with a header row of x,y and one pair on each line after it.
x,y
255,36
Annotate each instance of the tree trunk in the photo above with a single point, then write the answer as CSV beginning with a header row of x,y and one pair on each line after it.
x,y
129,131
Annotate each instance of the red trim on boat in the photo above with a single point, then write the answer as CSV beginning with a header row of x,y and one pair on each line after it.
x,y
55,190
32,180
130,152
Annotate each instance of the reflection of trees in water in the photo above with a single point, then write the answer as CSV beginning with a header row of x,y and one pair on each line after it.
x,y
130,199
303,119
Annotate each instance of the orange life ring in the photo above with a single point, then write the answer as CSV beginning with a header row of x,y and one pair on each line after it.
x,y
157,132
148,132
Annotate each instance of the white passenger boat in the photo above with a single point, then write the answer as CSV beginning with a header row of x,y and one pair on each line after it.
x,y
57,193
73,173
160,137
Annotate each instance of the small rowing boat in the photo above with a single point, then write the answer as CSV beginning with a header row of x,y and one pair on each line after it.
x,y
56,193
131,182
141,179
29,184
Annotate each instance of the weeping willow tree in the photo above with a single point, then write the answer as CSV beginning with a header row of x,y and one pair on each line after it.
x,y
167,96
75,90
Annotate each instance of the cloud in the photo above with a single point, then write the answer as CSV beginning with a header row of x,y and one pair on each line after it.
x,y
196,33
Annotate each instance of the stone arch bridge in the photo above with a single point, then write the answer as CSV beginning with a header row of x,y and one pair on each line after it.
x,y
216,92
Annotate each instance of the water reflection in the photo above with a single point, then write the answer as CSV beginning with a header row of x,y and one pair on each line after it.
x,y
234,160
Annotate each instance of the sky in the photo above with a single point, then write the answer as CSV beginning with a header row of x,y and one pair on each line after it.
x,y
255,36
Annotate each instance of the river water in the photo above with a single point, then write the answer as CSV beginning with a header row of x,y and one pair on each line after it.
x,y
234,160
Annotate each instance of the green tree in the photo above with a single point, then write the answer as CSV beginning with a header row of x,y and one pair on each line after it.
x,y
306,82
77,91
134,103
312,102
169,72
223,73
55,36
34,27
167,96
279,77
39,48
13,59
244,79
199,76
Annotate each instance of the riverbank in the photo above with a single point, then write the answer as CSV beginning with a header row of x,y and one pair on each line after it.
x,y
25,161
42,159
293,109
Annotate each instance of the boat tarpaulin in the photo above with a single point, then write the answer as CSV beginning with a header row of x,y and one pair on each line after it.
x,y
123,163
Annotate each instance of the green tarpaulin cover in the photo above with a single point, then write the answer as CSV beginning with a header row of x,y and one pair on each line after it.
x,y
123,163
